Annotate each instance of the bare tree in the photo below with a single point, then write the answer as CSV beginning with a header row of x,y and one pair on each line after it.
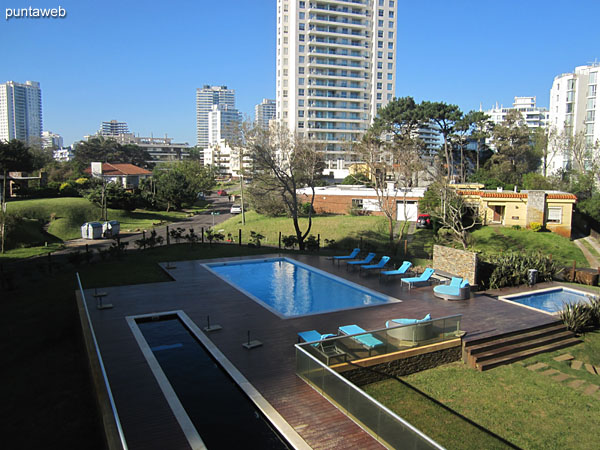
x,y
283,163
454,213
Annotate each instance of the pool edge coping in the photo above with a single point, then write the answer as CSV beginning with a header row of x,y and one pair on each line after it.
x,y
276,419
507,298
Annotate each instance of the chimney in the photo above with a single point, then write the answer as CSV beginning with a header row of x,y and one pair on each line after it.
x,y
96,169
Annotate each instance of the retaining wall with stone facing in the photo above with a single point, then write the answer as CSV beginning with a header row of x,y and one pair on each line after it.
x,y
456,262
362,376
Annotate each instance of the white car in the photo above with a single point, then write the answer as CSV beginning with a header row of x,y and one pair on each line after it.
x,y
235,209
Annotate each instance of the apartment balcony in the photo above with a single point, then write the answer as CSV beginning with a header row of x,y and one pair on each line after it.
x,y
359,42
341,10
334,31
355,55
336,86
352,23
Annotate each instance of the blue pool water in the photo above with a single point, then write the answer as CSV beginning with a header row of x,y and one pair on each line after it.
x,y
551,301
292,289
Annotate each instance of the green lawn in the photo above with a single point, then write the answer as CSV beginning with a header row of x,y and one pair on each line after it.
x,y
525,408
66,215
490,240
591,248
346,230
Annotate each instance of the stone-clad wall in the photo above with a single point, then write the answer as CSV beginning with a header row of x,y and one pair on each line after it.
x,y
456,262
401,367
536,204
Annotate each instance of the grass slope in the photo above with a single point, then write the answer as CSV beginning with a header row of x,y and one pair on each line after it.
x,y
492,240
526,408
66,215
340,228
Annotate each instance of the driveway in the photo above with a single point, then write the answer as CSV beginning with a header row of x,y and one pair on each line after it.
x,y
218,204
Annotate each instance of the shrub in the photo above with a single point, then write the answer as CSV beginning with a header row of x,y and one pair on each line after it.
x,y
576,316
289,241
511,269
516,227
306,208
331,244
311,243
535,226
255,239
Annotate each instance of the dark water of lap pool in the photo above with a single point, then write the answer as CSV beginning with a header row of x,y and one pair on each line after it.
x,y
221,412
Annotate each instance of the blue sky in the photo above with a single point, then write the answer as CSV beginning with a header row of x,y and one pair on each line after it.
x,y
141,62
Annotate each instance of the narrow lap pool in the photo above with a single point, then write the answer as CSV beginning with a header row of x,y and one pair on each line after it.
x,y
221,413
548,300
291,289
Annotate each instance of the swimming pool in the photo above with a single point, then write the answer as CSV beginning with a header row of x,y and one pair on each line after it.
x,y
550,300
290,288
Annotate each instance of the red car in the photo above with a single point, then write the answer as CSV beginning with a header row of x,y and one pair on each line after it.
x,y
424,221
221,192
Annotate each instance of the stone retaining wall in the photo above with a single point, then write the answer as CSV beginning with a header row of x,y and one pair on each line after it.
x,y
400,367
456,262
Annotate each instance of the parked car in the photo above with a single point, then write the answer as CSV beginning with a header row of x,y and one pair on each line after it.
x,y
222,192
424,221
236,209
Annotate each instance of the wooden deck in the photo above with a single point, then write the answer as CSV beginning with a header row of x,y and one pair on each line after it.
x,y
144,413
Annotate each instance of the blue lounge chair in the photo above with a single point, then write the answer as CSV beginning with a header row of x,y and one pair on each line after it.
x,y
399,271
423,278
367,260
458,289
395,322
327,348
313,335
382,262
367,340
352,255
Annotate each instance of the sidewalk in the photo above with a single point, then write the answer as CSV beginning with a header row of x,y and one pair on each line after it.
x,y
591,259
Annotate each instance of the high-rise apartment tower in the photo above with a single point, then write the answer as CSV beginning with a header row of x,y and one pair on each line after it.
x,y
21,112
113,128
574,113
264,112
206,97
336,65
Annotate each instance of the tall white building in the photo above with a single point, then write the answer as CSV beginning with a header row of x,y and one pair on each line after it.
x,y
336,65
264,112
222,122
51,140
533,116
574,108
113,128
21,111
206,98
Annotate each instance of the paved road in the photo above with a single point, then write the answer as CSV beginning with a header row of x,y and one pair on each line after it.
x,y
205,219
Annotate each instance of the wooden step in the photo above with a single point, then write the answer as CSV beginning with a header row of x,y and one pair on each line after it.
x,y
507,359
515,339
521,345
468,342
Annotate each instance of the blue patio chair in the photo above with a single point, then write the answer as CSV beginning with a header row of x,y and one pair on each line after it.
x,y
327,348
352,255
313,335
458,289
367,260
382,262
423,278
367,340
395,322
402,270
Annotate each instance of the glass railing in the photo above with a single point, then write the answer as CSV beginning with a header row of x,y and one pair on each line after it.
x,y
347,348
387,427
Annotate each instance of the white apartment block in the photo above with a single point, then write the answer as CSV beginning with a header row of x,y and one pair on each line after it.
x,y
336,65
225,160
264,112
206,97
113,128
21,111
51,140
574,109
222,123
533,115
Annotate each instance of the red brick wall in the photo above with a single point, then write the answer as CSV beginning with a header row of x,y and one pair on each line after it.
x,y
339,204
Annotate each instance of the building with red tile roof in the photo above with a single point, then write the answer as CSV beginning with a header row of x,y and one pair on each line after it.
x,y
127,175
